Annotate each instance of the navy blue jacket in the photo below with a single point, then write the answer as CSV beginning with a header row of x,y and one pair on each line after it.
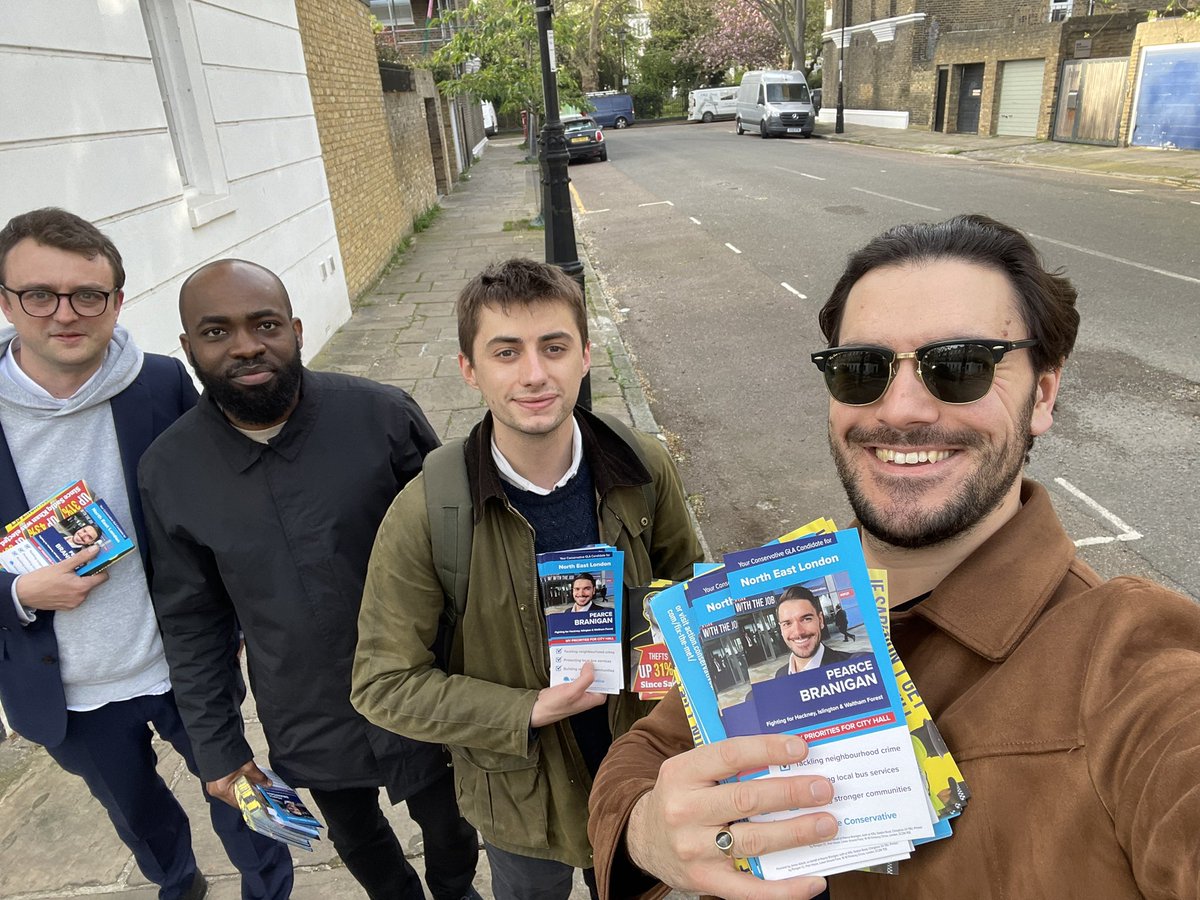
x,y
31,686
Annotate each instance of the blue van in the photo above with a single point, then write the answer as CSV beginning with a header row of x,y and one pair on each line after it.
x,y
612,108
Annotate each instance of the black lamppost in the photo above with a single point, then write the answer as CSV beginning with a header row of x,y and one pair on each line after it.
x,y
553,156
839,125
621,80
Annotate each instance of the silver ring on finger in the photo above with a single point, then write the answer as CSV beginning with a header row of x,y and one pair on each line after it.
x,y
724,841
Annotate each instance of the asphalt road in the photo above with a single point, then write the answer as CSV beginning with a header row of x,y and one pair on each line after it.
x,y
717,251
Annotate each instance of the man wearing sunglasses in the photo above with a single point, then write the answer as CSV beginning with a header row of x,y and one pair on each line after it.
x,y
1074,719
82,669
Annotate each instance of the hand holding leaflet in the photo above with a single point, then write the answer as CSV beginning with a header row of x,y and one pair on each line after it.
x,y
562,700
59,586
672,827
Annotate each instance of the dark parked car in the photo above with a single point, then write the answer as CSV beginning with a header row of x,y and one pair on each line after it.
x,y
585,139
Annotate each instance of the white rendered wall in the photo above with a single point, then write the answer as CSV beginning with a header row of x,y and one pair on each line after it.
x,y
82,126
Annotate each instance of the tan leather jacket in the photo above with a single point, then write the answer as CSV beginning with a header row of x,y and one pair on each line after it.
x,y
1072,706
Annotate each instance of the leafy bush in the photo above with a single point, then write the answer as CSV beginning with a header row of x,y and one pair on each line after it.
x,y
647,102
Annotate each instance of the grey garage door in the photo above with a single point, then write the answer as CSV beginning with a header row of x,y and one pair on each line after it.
x,y
1168,98
1020,96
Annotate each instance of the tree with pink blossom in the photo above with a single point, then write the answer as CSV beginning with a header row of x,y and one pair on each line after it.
x,y
743,38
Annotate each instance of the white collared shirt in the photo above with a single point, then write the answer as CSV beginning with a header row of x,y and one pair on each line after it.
x,y
509,474
813,661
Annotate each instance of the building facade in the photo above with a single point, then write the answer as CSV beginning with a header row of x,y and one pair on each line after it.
x,y
1037,68
185,130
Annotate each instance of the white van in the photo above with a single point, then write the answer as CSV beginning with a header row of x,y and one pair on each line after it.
x,y
774,102
489,117
706,104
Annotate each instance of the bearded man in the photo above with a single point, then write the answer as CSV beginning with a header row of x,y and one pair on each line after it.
x,y
261,507
1068,701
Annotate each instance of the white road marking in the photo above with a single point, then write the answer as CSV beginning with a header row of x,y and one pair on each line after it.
x,y
897,199
1126,533
1125,191
788,287
733,248
801,174
657,203
694,220
1117,259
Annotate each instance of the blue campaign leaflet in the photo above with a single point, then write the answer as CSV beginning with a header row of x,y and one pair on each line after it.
x,y
673,611
582,600
769,648
680,611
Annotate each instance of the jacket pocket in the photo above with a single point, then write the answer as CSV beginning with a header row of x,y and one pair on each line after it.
x,y
502,795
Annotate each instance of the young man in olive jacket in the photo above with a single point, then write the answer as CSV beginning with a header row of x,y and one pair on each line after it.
x,y
1070,703
543,476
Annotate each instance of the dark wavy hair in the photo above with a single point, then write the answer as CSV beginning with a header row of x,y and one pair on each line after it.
x,y
1047,299
515,282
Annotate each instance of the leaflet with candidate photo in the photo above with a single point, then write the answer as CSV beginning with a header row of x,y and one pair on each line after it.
x,y
582,601
799,680
678,609
60,526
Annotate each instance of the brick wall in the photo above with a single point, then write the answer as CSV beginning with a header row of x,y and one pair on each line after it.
x,y
411,147
902,74
368,201
1152,34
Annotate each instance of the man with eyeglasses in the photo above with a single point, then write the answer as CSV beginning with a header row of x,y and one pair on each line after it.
x,y
1069,702
82,669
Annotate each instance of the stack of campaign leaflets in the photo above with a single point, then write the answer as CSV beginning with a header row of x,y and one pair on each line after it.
x,y
62,525
276,810
791,638
582,594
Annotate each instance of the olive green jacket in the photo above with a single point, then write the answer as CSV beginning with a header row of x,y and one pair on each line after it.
x,y
526,790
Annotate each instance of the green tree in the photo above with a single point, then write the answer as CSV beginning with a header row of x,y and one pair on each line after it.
x,y
596,38
494,55
670,61
782,16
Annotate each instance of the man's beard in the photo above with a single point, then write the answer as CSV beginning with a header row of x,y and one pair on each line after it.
x,y
263,404
906,524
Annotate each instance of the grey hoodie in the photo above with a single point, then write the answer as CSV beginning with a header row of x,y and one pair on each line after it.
x,y
109,646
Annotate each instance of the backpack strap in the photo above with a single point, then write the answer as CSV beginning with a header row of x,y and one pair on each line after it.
x,y
451,527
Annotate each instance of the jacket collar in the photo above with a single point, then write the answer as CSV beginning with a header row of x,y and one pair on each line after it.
x,y
1030,555
242,452
613,462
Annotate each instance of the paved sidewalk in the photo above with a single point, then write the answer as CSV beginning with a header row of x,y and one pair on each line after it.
x,y
1178,167
55,840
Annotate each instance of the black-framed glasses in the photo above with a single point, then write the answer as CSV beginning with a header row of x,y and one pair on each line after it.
x,y
958,371
41,303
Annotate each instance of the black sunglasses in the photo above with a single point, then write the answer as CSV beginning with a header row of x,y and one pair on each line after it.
x,y
953,371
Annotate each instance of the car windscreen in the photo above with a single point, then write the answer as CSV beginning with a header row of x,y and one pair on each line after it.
x,y
579,127
787,92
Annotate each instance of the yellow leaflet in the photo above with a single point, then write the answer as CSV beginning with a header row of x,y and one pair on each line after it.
x,y
947,790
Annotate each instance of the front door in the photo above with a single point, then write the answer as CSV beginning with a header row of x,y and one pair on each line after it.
x,y
939,108
970,98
